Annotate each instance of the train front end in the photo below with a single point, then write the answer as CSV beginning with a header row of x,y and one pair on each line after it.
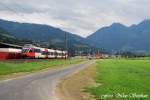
x,y
27,51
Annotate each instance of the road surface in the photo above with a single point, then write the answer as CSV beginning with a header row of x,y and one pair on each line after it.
x,y
38,86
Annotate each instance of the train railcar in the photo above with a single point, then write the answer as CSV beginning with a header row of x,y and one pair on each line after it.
x,y
10,53
51,53
58,54
31,51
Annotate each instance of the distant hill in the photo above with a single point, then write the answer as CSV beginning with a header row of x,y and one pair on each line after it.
x,y
118,37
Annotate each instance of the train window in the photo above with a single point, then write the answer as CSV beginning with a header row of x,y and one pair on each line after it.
x,y
59,54
37,50
51,53
24,50
56,53
44,53
63,54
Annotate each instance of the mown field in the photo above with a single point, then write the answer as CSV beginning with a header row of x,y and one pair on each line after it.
x,y
8,68
122,80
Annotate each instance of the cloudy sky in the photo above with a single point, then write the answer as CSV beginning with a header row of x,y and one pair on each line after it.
x,y
81,17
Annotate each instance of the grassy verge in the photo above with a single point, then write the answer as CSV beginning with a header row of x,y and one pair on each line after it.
x,y
71,87
7,68
122,80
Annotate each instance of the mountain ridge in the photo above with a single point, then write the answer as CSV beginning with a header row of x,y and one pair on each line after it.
x,y
118,37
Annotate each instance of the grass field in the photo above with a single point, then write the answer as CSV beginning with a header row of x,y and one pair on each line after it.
x,y
122,80
8,68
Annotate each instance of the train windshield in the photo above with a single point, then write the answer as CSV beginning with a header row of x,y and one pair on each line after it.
x,y
25,50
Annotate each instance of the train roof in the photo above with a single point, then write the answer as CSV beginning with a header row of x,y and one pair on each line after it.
x,y
64,51
58,51
14,50
51,50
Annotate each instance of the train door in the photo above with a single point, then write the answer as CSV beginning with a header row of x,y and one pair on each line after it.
x,y
46,53
37,52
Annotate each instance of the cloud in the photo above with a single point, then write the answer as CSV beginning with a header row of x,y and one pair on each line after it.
x,y
81,17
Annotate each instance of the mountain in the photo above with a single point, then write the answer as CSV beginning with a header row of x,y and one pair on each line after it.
x,y
35,31
38,32
118,37
45,35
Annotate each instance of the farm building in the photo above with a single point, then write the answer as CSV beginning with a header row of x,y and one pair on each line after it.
x,y
9,51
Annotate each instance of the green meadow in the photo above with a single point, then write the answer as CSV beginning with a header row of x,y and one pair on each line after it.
x,y
122,80
8,68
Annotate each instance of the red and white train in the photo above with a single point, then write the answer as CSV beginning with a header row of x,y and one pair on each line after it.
x,y
31,51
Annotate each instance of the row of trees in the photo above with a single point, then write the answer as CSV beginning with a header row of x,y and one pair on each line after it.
x,y
128,54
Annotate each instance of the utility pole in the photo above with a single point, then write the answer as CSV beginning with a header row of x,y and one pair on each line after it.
x,y
66,44
65,41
